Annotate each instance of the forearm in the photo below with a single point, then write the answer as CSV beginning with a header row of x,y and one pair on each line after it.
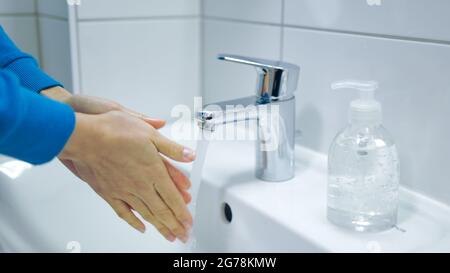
x,y
58,93
32,128
80,103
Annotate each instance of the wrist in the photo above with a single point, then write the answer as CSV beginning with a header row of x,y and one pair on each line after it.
x,y
59,94
76,145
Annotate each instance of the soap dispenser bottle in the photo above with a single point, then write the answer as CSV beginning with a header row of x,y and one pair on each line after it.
x,y
363,167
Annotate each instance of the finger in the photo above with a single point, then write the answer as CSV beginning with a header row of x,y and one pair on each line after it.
x,y
137,205
69,165
123,211
175,202
178,177
164,214
186,196
180,180
154,122
172,149
93,105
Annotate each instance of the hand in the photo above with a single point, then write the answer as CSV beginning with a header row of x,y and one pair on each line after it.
x,y
118,155
95,105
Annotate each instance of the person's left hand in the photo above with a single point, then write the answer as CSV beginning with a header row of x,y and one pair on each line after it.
x,y
95,105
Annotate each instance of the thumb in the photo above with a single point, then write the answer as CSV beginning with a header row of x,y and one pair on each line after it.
x,y
156,123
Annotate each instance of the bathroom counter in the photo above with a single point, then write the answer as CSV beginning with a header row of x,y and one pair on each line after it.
x,y
48,209
298,206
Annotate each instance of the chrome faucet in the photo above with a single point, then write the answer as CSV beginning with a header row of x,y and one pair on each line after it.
x,y
275,99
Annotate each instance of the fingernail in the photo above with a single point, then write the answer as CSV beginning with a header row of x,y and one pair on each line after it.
x,y
170,237
188,154
141,229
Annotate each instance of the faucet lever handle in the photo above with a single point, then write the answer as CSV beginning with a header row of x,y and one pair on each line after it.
x,y
277,80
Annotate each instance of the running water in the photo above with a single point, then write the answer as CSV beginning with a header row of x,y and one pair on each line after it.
x,y
196,179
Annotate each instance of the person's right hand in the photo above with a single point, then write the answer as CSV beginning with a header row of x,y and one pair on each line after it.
x,y
116,154
95,105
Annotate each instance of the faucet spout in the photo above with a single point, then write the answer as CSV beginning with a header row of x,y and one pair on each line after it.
x,y
273,108
225,112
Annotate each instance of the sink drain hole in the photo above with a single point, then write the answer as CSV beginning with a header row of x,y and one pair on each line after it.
x,y
227,213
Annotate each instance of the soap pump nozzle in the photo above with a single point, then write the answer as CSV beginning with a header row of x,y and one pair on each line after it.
x,y
365,109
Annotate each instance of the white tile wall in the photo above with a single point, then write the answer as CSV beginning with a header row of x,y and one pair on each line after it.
x,y
54,40
268,11
17,6
147,65
223,80
152,64
55,49
97,9
414,92
23,31
18,19
57,8
411,18
316,35
44,38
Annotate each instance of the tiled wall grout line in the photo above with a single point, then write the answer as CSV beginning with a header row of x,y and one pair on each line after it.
x,y
369,35
78,54
282,30
201,47
54,17
218,18
38,32
75,49
18,14
144,18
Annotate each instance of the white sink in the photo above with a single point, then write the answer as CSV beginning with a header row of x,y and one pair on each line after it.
x,y
48,209
291,216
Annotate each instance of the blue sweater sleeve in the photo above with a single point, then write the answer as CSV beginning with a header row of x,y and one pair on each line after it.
x,y
32,128
23,65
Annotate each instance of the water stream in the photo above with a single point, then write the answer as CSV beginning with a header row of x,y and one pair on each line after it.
x,y
196,179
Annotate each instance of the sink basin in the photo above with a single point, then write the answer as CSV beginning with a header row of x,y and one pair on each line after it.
x,y
291,216
48,209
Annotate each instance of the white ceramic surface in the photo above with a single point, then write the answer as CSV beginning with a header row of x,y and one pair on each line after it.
x,y
148,65
55,49
16,6
23,31
265,11
48,209
53,8
401,44
107,9
291,216
222,80
420,19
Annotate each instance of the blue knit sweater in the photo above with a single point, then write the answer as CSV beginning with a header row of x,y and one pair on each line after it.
x,y
32,128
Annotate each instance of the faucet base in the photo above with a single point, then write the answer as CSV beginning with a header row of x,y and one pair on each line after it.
x,y
271,178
